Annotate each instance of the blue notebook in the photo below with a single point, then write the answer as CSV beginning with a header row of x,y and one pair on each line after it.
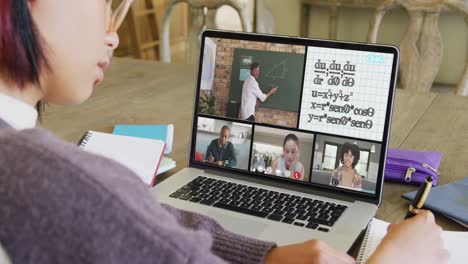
x,y
161,132
450,200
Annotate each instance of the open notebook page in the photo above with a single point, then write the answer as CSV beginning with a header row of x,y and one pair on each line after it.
x,y
138,154
455,242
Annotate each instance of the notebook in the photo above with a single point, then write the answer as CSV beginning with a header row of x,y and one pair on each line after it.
x,y
166,165
140,155
455,242
450,200
161,132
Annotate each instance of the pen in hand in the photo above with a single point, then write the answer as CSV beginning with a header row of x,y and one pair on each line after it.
x,y
420,197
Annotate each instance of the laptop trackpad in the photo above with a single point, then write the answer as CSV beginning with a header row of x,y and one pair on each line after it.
x,y
238,225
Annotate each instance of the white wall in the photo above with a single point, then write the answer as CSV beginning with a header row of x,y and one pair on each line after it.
x,y
236,128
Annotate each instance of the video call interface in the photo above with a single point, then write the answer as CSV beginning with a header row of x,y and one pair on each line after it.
x,y
305,113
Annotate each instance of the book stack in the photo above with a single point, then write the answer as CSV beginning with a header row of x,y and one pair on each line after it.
x,y
140,148
158,132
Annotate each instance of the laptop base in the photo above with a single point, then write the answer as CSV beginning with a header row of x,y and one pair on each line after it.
x,y
341,235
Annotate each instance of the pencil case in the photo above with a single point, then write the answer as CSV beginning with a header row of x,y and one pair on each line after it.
x,y
411,166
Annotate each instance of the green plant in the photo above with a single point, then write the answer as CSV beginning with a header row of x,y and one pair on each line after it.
x,y
207,104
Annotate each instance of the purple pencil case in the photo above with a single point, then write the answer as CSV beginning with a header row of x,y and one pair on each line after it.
x,y
411,166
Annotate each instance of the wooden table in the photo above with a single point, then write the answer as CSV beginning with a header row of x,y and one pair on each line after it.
x,y
150,92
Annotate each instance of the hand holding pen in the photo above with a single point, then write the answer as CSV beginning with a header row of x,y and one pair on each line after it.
x,y
417,240
420,197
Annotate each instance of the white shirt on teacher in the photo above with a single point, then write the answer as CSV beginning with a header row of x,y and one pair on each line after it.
x,y
250,92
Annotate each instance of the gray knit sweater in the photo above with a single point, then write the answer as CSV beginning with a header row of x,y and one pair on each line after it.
x,y
59,204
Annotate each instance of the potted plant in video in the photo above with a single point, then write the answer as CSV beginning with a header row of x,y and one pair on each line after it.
x,y
207,104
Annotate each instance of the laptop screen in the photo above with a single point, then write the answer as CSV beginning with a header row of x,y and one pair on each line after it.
x,y
309,111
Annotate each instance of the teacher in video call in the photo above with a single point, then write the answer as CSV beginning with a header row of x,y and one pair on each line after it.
x,y
250,92
346,175
221,151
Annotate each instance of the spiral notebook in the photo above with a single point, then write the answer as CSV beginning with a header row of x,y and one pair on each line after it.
x,y
162,132
455,242
140,155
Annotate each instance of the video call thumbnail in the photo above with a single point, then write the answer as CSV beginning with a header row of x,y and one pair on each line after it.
x,y
282,153
250,80
345,163
223,143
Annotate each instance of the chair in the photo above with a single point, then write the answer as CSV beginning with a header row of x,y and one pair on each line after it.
x,y
421,47
200,20
368,185
142,11
264,22
321,177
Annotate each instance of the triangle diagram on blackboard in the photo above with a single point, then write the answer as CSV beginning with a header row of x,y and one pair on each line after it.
x,y
278,71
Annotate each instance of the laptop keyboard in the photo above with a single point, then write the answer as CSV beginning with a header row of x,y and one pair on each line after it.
x,y
276,206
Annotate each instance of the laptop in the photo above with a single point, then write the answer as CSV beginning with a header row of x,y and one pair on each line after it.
x,y
289,137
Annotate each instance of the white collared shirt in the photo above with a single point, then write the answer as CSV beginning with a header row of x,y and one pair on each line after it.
x,y
17,113
250,92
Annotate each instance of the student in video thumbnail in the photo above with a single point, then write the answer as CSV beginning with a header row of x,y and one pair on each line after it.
x,y
289,165
221,151
250,92
346,174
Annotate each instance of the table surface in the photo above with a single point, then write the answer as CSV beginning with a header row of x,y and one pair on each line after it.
x,y
149,92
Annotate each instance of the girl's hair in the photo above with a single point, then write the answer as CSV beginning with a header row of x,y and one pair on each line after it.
x,y
22,57
345,148
291,137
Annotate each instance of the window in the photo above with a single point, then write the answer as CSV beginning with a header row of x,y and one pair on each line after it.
x,y
363,165
330,156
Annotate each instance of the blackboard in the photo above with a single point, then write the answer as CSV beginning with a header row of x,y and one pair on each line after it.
x,y
281,69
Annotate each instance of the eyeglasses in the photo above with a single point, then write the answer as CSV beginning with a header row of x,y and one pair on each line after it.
x,y
115,18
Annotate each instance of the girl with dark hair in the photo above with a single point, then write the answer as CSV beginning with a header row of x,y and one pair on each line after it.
x,y
346,175
60,204
288,165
